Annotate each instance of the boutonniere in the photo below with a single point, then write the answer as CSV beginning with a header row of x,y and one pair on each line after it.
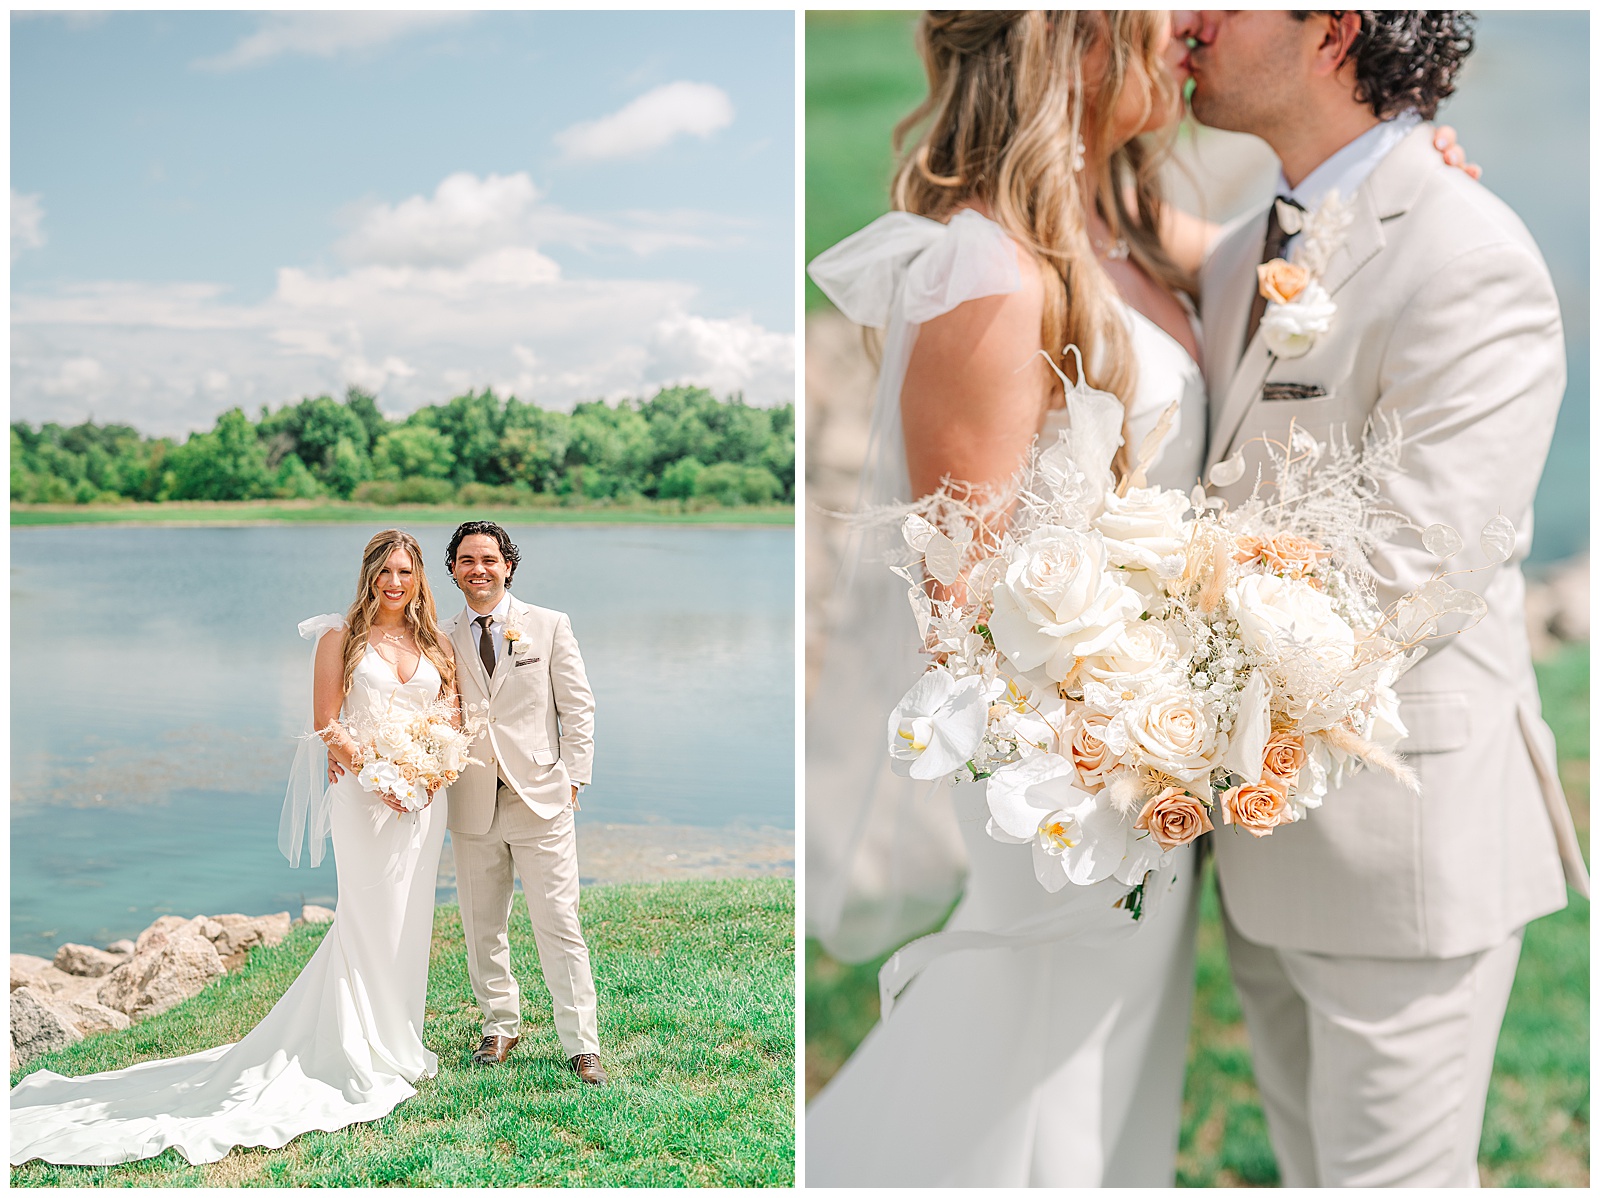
x,y
1299,308
514,642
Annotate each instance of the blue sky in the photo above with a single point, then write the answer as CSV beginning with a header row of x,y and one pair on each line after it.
x,y
211,209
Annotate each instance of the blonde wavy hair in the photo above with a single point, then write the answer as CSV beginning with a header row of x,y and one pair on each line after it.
x,y
1007,104
420,614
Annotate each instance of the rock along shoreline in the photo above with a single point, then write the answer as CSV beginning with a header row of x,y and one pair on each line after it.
x,y
85,990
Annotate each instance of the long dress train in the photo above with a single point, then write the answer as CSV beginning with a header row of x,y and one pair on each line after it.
x,y
344,1043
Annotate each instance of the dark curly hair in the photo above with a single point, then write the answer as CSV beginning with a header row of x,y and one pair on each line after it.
x,y
1408,58
483,528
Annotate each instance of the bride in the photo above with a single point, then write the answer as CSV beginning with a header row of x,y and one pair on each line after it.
x,y
1029,216
344,1043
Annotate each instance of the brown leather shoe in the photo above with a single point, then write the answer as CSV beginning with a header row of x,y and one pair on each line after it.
x,y
587,1066
494,1050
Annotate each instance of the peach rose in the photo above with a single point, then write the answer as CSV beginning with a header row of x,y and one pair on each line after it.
x,y
1247,549
1174,817
1282,281
1257,807
1292,555
1285,757
1087,748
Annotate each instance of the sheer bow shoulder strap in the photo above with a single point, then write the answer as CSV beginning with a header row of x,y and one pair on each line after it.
x,y
305,801
925,266
884,854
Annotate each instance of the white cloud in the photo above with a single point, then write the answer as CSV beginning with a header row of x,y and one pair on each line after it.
x,y
27,223
465,216
650,122
154,355
72,18
74,376
322,35
468,216
724,355
437,294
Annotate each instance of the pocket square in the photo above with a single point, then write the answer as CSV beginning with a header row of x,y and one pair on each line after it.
x,y
526,661
1274,392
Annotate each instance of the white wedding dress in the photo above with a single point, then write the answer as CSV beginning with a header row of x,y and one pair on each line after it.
x,y
1057,1064
344,1043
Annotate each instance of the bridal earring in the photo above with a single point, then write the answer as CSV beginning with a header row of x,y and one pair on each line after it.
x,y
1079,156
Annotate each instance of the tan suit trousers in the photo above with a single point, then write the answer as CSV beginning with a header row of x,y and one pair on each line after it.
x,y
1373,1071
544,854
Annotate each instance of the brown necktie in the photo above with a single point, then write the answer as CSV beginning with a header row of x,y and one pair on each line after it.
x,y
485,645
1270,249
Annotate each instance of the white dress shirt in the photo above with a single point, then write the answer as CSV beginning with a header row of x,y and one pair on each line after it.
x,y
1348,167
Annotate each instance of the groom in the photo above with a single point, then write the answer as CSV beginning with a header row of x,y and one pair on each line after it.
x,y
1374,946
520,665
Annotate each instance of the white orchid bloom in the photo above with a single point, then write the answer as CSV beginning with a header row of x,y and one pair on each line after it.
x,y
1077,837
935,729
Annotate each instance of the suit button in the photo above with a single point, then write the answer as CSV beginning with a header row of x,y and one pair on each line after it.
x,y
491,761
492,720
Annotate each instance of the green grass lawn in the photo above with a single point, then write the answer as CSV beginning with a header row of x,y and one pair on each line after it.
x,y
267,511
696,987
1536,1128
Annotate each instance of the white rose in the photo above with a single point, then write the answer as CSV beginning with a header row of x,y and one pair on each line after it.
x,y
1142,647
1058,602
1084,744
1170,730
1289,330
392,738
937,727
1270,610
1144,526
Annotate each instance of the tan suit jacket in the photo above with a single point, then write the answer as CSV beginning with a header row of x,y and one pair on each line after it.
x,y
540,737
1446,318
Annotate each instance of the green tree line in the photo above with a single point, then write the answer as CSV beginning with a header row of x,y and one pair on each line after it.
x,y
682,443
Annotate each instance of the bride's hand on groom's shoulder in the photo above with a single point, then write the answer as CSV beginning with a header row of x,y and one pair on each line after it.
x,y
1444,140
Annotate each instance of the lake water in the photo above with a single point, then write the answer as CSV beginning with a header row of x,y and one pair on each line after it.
x,y
157,683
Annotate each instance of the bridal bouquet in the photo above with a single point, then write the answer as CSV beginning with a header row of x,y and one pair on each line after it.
x,y
409,753
1126,666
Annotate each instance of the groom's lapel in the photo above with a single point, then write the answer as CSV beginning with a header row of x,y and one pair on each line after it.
x,y
466,641
502,665
1234,377
1389,192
